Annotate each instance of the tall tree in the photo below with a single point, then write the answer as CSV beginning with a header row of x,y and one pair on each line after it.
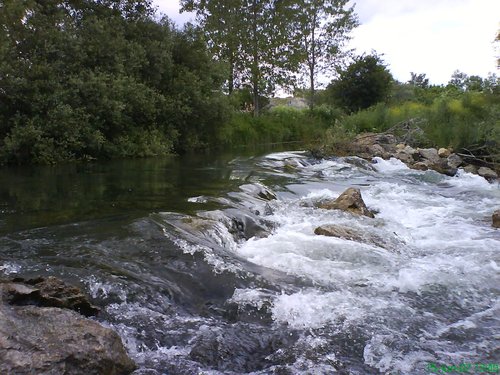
x,y
222,25
254,37
323,30
364,83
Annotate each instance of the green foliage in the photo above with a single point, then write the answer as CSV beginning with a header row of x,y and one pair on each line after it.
x,y
322,29
472,119
280,124
254,38
364,83
84,80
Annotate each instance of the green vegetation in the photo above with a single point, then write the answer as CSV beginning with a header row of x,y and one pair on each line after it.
x,y
266,43
362,84
280,124
89,79
464,115
102,79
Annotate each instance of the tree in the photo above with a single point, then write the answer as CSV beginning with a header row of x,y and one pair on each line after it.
x,y
458,80
86,79
323,30
222,25
362,84
254,37
419,80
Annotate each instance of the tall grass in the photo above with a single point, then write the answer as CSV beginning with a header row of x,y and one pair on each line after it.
x,y
472,119
280,124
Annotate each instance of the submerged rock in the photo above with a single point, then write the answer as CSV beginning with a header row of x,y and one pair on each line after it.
x,y
495,218
332,230
351,201
259,191
53,340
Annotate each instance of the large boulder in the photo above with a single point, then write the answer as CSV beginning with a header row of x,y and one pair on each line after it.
x,y
350,201
487,173
430,154
406,154
444,152
49,292
470,168
454,161
443,167
496,219
52,340
368,145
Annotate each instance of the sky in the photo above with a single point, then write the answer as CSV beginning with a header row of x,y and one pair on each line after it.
x,y
435,37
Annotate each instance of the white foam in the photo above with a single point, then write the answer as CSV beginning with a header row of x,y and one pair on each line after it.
x,y
9,268
388,166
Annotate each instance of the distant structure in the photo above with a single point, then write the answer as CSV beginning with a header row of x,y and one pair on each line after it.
x,y
298,103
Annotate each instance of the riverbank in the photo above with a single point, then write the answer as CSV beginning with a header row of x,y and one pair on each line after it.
x,y
399,142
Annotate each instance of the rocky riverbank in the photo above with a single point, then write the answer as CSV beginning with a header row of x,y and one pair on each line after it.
x,y
386,146
44,329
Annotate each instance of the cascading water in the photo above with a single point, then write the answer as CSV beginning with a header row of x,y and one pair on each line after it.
x,y
241,284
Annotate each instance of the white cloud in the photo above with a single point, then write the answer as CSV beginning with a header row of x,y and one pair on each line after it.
x,y
434,37
171,9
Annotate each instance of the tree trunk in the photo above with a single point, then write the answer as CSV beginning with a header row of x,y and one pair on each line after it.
x,y
312,63
231,74
255,62
312,90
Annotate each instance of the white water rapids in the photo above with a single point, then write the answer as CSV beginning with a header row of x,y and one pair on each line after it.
x,y
432,298
223,280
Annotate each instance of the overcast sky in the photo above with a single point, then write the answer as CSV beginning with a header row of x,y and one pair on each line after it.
x,y
435,37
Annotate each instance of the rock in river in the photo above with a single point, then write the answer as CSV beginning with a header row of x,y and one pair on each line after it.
x,y
496,219
339,231
53,340
351,201
487,173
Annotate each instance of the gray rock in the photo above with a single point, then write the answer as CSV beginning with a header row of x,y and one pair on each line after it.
x,y
495,218
430,154
406,154
350,201
259,190
454,161
339,231
469,168
50,340
377,150
487,173
444,168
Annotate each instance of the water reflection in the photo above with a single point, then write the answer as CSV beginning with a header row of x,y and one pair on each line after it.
x,y
38,196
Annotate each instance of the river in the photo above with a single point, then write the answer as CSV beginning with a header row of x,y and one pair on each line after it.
x,y
200,273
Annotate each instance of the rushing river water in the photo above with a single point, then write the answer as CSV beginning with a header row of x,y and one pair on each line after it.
x,y
201,274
